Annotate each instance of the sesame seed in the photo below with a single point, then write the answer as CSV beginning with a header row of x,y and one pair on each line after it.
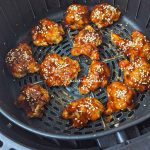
x,y
121,93
74,7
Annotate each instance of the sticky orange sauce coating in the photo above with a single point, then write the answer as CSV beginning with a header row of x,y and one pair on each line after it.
x,y
86,42
136,74
32,99
120,97
19,61
83,110
104,15
98,75
77,16
59,71
139,46
47,32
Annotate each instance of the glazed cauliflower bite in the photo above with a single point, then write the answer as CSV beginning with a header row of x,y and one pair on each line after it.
x,y
120,97
86,42
32,99
47,32
136,74
59,71
77,16
104,15
19,61
138,47
98,75
83,110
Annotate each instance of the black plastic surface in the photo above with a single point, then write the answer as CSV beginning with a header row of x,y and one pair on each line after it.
x,y
14,137
16,26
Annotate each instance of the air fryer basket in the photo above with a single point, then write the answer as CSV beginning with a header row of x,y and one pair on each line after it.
x,y
17,17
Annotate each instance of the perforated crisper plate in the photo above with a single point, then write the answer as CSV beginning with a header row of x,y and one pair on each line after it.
x,y
61,96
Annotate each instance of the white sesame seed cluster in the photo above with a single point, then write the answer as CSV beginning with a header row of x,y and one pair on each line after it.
x,y
120,97
83,110
97,14
19,61
43,29
137,74
103,15
74,7
121,93
47,32
56,70
139,46
86,42
28,96
133,44
77,16
98,75
32,99
89,37
16,54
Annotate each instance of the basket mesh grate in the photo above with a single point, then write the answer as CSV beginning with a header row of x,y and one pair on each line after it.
x,y
61,96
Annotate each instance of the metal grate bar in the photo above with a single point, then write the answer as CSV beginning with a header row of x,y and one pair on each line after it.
x,y
70,37
103,123
102,120
113,58
38,82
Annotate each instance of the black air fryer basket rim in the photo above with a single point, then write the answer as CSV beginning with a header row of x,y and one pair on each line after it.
x,y
73,137
62,136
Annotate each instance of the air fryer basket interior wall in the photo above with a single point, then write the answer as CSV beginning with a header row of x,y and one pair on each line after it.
x,y
16,19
